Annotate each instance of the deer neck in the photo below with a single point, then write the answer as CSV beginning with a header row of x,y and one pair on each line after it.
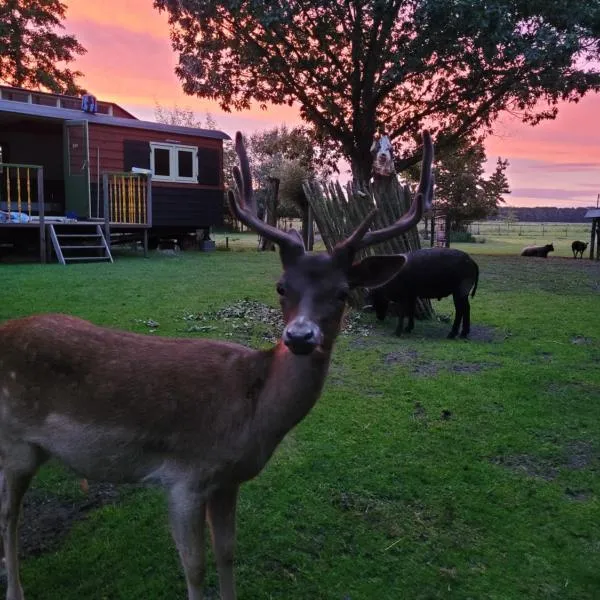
x,y
292,385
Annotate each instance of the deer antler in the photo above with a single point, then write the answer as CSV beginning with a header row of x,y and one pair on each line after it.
x,y
243,207
422,201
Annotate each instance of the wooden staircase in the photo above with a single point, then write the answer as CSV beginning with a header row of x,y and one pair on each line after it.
x,y
79,242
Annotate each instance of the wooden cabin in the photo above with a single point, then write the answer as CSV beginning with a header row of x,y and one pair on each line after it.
x,y
78,161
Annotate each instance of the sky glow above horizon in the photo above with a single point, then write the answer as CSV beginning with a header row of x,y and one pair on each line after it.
x,y
130,62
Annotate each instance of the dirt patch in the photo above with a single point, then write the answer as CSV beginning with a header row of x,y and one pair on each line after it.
x,y
404,356
466,367
576,456
579,455
542,356
532,466
430,368
578,495
47,518
581,340
485,334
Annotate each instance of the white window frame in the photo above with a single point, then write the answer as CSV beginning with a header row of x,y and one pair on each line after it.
x,y
174,163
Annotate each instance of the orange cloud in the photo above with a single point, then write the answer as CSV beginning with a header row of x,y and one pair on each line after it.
x,y
131,15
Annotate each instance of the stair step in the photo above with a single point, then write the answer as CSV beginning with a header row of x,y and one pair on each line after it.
x,y
86,247
69,258
77,235
97,243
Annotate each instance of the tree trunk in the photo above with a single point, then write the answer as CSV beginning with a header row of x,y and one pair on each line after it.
x,y
271,204
307,227
337,214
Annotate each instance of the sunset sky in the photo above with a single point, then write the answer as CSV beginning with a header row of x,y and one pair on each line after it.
x,y
130,62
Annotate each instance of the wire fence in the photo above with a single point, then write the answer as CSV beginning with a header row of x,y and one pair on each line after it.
x,y
529,230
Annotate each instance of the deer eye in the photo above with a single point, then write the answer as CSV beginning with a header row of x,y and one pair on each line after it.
x,y
280,289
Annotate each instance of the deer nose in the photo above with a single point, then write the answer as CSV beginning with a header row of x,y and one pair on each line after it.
x,y
302,335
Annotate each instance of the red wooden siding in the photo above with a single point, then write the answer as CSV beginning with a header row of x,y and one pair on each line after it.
x,y
109,141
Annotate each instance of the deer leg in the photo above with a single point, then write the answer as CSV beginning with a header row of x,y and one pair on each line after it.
x,y
187,512
221,517
14,480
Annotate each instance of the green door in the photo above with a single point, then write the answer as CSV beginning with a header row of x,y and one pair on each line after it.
x,y
77,168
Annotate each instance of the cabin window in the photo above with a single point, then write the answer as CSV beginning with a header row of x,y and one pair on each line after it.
x,y
172,162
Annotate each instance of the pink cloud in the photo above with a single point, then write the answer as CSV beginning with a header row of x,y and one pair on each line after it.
x,y
130,62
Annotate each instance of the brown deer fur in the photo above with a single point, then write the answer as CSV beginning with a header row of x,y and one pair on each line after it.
x,y
198,417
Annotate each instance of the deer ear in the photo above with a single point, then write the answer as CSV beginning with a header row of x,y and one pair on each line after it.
x,y
375,271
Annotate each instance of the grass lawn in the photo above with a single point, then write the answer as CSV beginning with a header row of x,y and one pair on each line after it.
x,y
429,469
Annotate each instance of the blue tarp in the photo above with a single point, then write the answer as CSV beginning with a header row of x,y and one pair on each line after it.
x,y
13,217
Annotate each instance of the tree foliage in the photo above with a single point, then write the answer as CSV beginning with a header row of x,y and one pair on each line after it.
x,y
33,52
354,67
462,190
292,156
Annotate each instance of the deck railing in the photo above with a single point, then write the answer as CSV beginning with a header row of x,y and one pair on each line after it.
x,y
22,193
128,198
22,189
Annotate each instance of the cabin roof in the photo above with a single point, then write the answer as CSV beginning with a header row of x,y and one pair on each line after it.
x,y
67,114
593,213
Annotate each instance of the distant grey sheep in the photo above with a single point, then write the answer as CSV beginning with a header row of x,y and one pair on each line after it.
x,y
541,251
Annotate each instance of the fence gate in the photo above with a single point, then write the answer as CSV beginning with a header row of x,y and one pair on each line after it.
x,y
439,234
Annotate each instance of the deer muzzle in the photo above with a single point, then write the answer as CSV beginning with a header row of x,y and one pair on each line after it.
x,y
302,335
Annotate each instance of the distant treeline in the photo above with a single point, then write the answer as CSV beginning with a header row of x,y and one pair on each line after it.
x,y
541,214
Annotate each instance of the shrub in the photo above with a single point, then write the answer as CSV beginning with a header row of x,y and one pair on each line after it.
x,y
463,237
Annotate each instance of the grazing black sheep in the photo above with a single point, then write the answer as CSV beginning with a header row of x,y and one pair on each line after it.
x,y
430,273
578,248
541,251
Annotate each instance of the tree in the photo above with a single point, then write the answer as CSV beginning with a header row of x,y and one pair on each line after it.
x,y
462,191
291,156
358,66
33,53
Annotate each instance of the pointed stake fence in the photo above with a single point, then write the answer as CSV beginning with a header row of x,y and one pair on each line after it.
x,y
338,213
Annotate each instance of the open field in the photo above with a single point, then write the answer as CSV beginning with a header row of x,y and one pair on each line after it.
x,y
499,237
490,244
429,469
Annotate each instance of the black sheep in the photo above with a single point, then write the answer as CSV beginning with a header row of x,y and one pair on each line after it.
x,y
578,248
430,273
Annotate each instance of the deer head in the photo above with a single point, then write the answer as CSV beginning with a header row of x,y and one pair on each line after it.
x,y
314,286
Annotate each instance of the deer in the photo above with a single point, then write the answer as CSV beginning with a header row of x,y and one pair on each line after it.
x,y
197,417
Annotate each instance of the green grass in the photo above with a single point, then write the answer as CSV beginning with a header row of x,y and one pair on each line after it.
x,y
429,468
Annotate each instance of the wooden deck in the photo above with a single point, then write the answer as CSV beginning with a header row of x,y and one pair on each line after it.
x,y
127,205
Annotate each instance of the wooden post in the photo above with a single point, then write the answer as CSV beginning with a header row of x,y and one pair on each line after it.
x,y
106,208
310,236
149,201
40,198
593,238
